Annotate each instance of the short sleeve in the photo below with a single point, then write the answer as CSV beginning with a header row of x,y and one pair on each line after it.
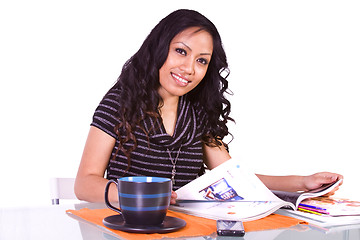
x,y
105,114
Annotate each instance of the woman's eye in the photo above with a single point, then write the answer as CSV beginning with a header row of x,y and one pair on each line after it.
x,y
181,51
203,61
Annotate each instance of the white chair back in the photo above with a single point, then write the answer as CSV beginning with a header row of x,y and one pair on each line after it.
x,y
61,188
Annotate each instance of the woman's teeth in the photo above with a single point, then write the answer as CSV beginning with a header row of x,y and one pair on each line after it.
x,y
180,79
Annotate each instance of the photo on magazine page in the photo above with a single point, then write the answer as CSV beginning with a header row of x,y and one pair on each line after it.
x,y
220,190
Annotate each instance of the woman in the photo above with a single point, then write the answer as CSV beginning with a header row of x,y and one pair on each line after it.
x,y
166,115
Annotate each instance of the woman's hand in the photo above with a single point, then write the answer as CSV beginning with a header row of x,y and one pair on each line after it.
x,y
173,197
317,180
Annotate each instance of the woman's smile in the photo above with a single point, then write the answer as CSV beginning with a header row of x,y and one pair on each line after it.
x,y
180,80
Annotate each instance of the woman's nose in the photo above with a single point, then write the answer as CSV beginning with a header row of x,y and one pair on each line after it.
x,y
188,66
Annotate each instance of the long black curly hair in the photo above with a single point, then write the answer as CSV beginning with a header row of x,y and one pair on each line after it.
x,y
139,81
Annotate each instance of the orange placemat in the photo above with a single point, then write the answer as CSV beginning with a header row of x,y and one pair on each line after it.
x,y
195,226
273,221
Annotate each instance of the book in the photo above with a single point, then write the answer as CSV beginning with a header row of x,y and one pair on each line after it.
x,y
232,191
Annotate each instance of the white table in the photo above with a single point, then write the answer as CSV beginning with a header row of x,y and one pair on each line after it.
x,y
51,222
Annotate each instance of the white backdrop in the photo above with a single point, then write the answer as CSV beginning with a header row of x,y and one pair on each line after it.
x,y
294,74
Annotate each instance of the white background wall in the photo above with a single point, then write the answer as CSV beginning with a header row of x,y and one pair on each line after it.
x,y
294,73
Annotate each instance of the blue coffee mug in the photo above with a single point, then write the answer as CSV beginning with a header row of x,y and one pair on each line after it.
x,y
142,200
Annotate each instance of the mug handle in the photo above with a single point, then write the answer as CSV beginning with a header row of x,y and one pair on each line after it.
x,y
107,202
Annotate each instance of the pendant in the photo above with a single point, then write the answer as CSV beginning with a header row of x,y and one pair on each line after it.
x,y
173,172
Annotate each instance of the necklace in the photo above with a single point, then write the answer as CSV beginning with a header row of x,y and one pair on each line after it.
x,y
173,172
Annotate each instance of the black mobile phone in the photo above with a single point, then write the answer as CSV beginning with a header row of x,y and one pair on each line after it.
x,y
230,228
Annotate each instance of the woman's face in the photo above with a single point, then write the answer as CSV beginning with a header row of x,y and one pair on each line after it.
x,y
187,62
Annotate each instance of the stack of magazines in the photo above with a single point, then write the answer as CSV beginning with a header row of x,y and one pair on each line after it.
x,y
333,207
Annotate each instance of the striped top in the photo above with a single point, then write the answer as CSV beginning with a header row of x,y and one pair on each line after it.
x,y
152,158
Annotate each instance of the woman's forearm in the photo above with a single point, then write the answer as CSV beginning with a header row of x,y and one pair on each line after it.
x,y
291,183
295,183
90,182
91,188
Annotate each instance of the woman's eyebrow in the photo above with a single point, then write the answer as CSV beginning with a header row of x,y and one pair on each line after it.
x,y
191,49
185,45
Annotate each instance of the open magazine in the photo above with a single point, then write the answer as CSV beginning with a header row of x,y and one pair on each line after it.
x,y
297,197
231,191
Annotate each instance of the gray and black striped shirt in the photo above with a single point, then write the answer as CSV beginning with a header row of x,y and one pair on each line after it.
x,y
152,158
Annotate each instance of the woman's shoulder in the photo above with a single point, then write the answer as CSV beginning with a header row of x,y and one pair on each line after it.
x,y
106,114
111,99
113,93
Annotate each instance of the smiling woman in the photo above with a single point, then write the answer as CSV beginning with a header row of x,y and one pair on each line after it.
x,y
167,104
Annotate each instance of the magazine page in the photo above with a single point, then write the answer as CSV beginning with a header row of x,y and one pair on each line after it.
x,y
318,192
287,196
230,191
229,210
232,180
297,197
331,206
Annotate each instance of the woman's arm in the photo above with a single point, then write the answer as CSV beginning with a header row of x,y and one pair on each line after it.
x,y
214,156
90,182
299,183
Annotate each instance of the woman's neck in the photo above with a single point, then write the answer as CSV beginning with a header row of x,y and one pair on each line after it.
x,y
168,112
